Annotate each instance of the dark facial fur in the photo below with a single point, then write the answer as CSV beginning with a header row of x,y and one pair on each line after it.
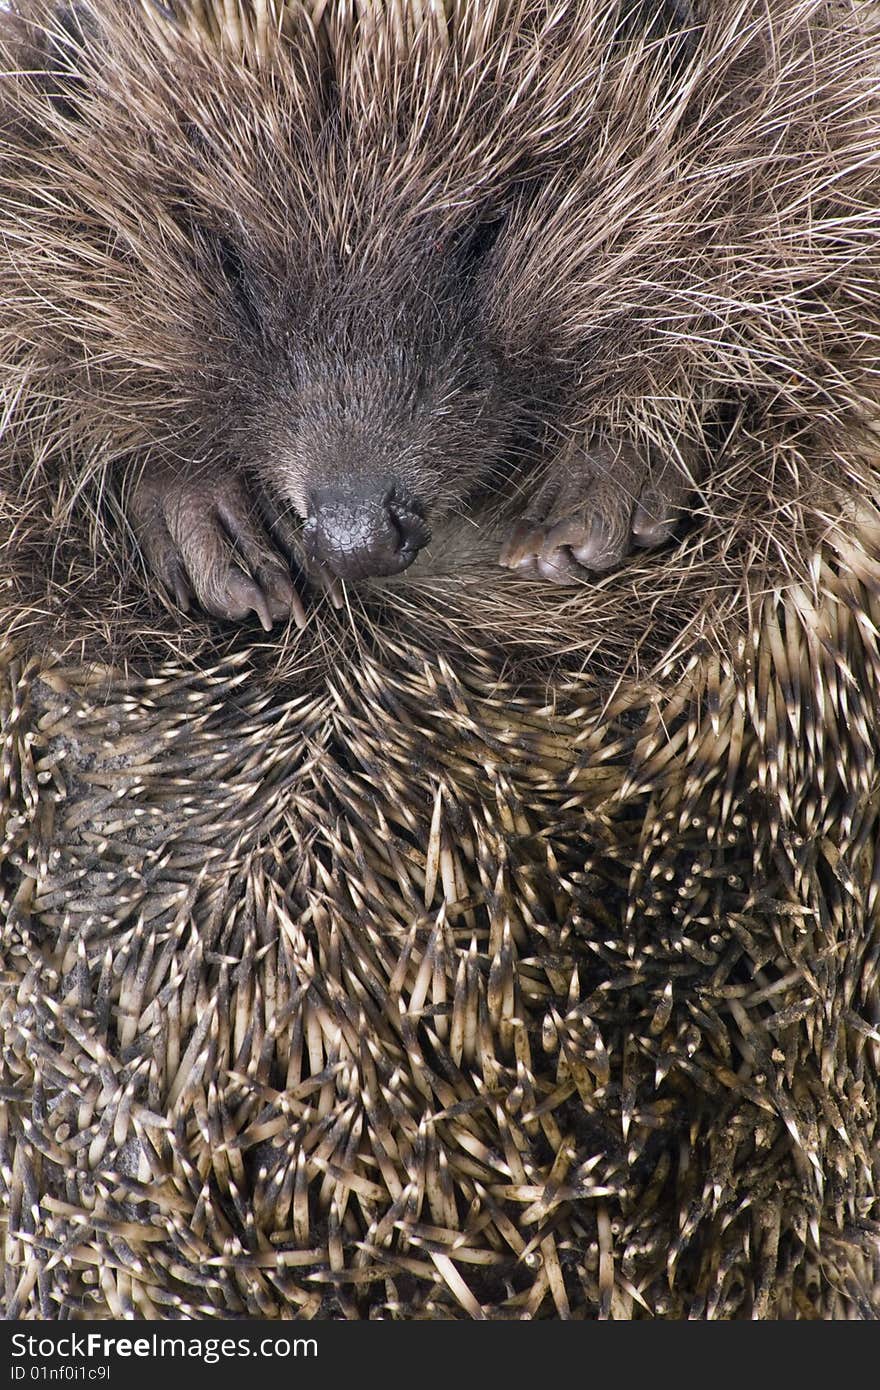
x,y
376,381
307,300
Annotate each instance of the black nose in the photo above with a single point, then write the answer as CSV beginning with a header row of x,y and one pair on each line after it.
x,y
358,534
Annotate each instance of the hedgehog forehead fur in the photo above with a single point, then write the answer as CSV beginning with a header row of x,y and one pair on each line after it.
x,y
370,236
323,287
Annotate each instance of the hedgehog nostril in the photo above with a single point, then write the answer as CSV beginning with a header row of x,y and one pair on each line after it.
x,y
358,535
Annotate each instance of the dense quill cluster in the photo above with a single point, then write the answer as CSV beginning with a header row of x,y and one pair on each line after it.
x,y
399,992
483,949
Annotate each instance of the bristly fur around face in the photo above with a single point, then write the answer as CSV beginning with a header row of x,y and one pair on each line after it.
x,y
548,214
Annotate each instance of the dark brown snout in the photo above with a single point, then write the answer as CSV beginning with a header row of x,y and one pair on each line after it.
x,y
358,535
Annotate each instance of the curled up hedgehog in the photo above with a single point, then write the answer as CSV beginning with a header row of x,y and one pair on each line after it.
x,y
469,905
333,291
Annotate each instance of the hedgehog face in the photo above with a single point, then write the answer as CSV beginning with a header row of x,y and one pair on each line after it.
x,y
370,441
294,297
369,400
344,397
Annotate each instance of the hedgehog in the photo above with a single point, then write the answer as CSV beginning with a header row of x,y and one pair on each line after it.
x,y
337,292
486,948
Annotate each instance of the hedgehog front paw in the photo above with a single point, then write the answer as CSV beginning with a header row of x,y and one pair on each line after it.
x,y
591,511
202,539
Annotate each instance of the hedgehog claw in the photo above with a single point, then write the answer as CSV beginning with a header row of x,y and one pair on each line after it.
x,y
518,552
282,599
203,543
239,596
181,590
602,502
329,584
557,565
652,527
